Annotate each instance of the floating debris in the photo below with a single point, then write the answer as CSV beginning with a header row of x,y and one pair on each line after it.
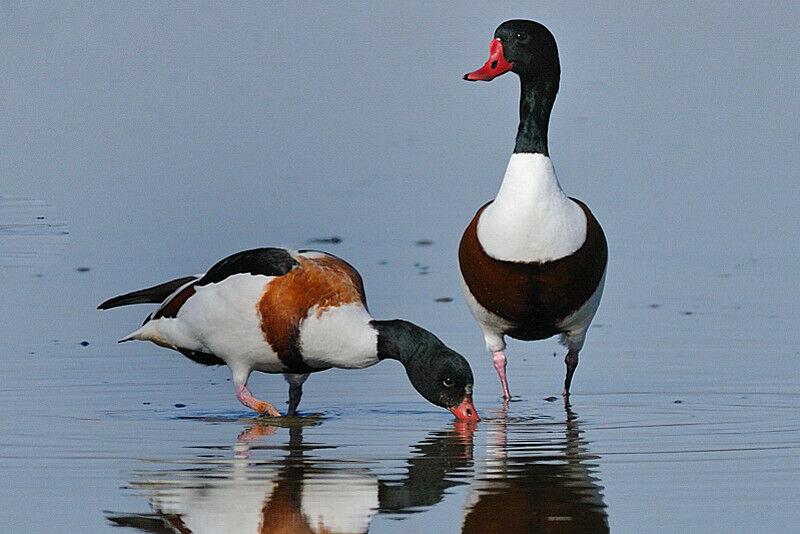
x,y
677,401
383,262
332,240
444,299
551,399
424,242
687,313
84,343
654,306
83,269
179,405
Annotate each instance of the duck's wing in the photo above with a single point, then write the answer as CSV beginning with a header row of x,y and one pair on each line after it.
x,y
265,261
273,262
151,295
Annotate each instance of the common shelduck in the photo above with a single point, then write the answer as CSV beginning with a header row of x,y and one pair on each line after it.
x,y
533,260
293,312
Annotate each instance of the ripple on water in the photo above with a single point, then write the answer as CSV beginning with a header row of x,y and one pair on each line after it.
x,y
30,232
703,427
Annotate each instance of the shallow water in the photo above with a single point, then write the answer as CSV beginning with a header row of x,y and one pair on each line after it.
x,y
654,439
143,144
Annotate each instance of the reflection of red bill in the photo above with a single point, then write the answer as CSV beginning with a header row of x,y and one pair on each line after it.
x,y
465,411
493,68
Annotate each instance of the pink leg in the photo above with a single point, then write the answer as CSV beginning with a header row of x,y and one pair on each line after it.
x,y
246,398
499,360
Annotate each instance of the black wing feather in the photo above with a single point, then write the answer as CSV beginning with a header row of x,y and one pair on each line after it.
x,y
266,261
150,295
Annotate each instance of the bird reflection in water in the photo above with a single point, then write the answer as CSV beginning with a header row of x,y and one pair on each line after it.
x,y
439,462
536,479
298,493
536,475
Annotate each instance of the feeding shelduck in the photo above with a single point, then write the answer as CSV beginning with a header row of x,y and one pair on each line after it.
x,y
293,312
533,260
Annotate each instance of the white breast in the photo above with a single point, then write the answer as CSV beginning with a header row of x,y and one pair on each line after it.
x,y
531,219
339,337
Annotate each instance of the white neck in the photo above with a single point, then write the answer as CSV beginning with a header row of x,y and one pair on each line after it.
x,y
531,219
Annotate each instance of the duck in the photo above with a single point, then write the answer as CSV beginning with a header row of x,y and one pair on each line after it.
x,y
533,260
275,310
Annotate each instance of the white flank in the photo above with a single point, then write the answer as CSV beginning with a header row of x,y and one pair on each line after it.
x,y
491,325
221,319
574,327
339,337
531,219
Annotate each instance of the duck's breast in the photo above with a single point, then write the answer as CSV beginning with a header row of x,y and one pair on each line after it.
x,y
534,297
531,219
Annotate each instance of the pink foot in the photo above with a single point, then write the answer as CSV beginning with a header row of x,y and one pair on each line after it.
x,y
499,360
246,398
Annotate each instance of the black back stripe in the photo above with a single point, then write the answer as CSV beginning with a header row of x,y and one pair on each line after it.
x,y
264,261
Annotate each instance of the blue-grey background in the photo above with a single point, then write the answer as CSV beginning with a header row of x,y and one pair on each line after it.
x,y
152,139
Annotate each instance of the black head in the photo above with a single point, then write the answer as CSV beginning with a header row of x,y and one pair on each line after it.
x,y
522,46
444,378
438,373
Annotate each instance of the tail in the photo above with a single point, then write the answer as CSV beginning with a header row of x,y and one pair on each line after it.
x,y
151,295
136,334
148,332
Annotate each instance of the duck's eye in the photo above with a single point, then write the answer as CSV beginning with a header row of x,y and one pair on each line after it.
x,y
521,36
448,382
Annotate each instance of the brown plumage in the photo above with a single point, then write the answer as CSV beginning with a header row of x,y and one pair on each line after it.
x,y
534,297
324,282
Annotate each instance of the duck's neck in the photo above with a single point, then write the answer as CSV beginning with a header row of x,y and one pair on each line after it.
x,y
535,104
398,340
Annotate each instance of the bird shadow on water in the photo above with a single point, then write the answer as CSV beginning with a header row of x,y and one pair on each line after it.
x,y
532,476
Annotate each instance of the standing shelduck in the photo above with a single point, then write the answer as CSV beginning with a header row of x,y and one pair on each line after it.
x,y
533,260
279,311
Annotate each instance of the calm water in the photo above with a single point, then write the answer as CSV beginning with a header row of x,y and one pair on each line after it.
x,y
141,143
